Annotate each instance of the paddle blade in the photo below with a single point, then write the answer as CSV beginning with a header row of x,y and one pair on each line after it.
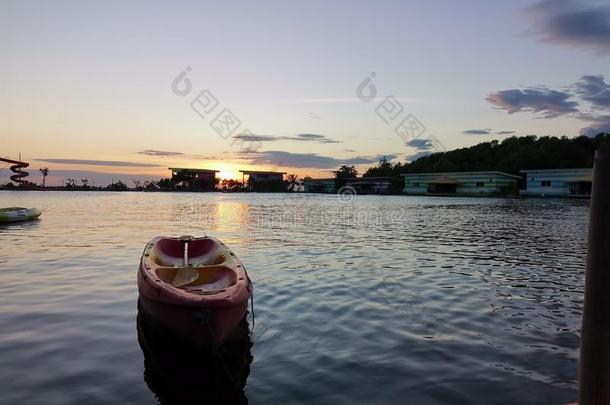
x,y
184,276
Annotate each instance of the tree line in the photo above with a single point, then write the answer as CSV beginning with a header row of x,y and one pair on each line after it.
x,y
510,156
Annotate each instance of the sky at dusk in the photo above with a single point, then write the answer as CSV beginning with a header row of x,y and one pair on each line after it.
x,y
96,90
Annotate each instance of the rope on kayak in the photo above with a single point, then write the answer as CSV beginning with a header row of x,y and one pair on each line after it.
x,y
252,306
251,296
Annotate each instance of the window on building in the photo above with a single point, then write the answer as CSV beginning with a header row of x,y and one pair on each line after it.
x,y
545,183
480,184
416,184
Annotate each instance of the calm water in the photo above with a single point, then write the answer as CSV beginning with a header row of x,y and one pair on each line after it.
x,y
379,300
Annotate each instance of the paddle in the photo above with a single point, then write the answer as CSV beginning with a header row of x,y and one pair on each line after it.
x,y
185,274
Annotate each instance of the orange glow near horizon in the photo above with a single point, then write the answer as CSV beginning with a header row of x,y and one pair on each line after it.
x,y
228,171
103,174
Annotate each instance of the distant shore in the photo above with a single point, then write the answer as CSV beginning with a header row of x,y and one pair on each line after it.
x,y
131,190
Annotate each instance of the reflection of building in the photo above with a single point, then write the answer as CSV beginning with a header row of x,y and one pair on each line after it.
x,y
465,183
370,185
263,180
194,179
558,182
319,185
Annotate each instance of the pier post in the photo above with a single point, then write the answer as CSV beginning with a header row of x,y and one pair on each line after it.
x,y
595,338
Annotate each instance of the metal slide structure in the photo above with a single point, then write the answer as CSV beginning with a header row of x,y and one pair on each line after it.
x,y
17,166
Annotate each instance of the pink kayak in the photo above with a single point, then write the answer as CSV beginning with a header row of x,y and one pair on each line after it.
x,y
196,286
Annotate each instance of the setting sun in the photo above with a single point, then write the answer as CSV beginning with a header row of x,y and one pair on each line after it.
x,y
228,171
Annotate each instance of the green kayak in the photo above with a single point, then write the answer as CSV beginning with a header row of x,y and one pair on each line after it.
x,y
16,214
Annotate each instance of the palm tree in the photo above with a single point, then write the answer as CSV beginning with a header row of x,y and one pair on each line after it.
x,y
45,173
293,182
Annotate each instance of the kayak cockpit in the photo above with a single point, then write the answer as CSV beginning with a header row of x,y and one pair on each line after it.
x,y
209,278
171,252
195,265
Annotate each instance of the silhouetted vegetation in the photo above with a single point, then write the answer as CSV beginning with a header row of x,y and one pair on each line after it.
x,y
231,185
26,185
45,172
293,183
165,184
70,184
383,169
510,156
145,185
118,186
344,172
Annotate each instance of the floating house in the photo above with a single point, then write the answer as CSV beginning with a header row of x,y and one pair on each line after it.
x,y
361,185
461,183
370,185
194,179
558,183
326,185
263,180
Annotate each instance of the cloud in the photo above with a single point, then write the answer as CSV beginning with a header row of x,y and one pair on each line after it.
x,y
594,90
307,160
298,137
162,153
598,123
485,131
159,153
256,138
572,23
420,144
205,157
97,162
591,89
307,137
548,103
315,115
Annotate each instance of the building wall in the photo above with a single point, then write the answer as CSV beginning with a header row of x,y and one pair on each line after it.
x,y
468,183
559,180
266,177
265,182
415,184
364,185
206,176
319,186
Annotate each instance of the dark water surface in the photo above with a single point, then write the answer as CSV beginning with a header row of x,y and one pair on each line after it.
x,y
379,300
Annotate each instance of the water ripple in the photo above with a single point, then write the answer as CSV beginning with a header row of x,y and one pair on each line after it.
x,y
384,299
